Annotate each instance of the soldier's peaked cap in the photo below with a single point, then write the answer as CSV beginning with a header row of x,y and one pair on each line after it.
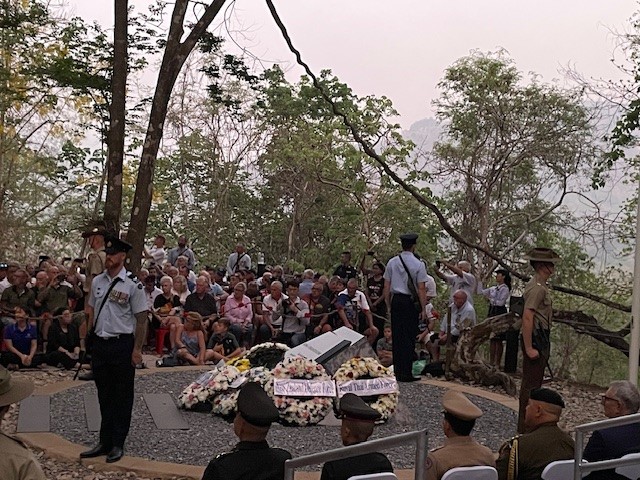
x,y
255,406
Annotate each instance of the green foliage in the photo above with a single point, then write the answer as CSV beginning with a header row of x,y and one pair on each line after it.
x,y
507,154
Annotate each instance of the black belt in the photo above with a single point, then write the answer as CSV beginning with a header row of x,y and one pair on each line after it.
x,y
402,294
115,337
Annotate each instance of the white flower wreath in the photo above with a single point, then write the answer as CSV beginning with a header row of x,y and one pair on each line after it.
x,y
226,404
207,386
266,354
367,367
300,411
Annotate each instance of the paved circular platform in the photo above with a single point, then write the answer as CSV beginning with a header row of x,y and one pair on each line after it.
x,y
185,453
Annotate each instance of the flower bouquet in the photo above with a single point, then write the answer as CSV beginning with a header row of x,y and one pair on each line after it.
x,y
266,354
207,386
300,410
226,404
364,368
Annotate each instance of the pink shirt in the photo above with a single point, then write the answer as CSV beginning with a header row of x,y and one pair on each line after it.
x,y
238,312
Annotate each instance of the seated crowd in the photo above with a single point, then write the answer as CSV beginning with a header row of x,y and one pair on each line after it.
x,y
236,309
210,320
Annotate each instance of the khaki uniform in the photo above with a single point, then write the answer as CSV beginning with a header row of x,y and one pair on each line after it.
x,y
537,298
17,462
94,266
457,452
535,450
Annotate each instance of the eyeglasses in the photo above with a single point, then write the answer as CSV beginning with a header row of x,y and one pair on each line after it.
x,y
604,398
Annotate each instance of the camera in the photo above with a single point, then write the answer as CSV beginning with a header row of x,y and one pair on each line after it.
x,y
61,276
438,263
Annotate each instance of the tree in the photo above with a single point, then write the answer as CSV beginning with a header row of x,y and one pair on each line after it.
x,y
175,54
509,156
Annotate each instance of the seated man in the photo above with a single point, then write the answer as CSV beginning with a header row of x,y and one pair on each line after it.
x,y
621,398
463,316
202,301
543,443
459,449
319,307
357,426
295,317
21,341
252,457
353,311
272,310
223,344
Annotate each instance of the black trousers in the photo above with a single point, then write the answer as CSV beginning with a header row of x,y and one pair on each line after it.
x,y
404,329
55,358
114,376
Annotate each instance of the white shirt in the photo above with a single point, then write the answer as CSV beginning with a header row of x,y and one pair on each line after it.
x,y
461,318
467,283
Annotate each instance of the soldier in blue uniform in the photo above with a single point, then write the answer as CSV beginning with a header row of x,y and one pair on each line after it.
x,y
358,420
405,310
252,458
117,313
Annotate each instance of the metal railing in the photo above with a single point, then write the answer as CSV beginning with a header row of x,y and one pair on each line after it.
x,y
580,467
419,437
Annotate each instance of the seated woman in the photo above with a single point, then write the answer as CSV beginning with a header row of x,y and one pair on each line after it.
x,y
64,341
222,344
166,310
180,288
190,340
239,311
21,342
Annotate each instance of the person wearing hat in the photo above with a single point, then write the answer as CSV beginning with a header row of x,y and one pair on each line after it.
x,y
117,311
358,420
524,456
406,297
251,457
93,266
459,449
95,259
498,295
16,461
536,325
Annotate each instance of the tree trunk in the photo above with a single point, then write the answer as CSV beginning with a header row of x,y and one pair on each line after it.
x,y
115,135
468,365
174,57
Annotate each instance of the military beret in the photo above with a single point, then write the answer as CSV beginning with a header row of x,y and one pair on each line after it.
x,y
113,244
409,238
353,407
458,405
547,395
255,406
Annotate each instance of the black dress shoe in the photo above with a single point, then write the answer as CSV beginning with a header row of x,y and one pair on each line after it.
x,y
96,451
408,379
115,454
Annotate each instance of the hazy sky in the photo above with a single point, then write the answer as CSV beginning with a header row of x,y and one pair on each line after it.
x,y
400,48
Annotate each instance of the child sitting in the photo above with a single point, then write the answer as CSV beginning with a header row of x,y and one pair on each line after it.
x,y
223,344
384,347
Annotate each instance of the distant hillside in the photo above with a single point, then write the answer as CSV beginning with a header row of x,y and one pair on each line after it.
x,y
423,133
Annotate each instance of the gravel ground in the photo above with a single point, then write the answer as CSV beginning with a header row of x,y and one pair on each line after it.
x,y
209,435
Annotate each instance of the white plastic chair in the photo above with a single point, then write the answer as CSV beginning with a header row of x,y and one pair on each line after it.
x,y
560,470
630,471
375,476
471,473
